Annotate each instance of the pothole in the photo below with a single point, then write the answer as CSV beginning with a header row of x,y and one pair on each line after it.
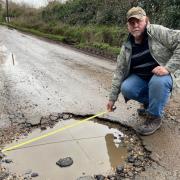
x,y
99,149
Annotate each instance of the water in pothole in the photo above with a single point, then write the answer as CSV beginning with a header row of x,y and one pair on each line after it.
x,y
94,146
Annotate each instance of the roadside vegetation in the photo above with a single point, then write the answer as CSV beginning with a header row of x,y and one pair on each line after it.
x,y
98,26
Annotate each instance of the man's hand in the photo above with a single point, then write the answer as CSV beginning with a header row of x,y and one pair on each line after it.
x,y
160,71
110,105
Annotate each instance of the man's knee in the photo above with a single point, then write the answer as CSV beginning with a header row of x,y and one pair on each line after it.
x,y
160,82
127,90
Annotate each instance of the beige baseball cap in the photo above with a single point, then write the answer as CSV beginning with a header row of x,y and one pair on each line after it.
x,y
136,12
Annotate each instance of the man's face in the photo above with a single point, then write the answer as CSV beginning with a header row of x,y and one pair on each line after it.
x,y
136,26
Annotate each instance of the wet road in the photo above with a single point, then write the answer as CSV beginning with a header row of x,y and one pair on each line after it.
x,y
49,78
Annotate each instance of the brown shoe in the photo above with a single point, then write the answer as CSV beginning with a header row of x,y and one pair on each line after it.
x,y
151,124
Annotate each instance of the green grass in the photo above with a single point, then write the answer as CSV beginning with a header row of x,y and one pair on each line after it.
x,y
101,40
37,33
100,49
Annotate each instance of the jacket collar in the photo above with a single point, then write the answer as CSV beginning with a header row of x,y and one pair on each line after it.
x,y
128,43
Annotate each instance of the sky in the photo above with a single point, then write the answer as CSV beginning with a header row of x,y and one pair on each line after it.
x,y
34,3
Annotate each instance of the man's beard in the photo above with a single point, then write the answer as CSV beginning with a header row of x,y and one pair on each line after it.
x,y
137,34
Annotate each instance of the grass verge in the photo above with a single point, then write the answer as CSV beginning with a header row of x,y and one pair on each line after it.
x,y
98,48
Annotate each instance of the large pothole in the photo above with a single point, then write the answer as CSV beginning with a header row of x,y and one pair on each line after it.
x,y
99,149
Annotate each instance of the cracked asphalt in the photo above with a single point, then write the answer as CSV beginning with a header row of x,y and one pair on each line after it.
x,y
50,78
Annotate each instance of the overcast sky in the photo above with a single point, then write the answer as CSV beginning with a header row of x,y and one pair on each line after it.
x,y
34,3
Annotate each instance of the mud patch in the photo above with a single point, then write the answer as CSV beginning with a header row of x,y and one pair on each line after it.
x,y
99,148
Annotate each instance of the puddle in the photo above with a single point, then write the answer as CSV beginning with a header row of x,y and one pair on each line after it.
x,y
96,147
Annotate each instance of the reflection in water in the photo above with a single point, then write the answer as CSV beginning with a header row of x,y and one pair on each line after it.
x,y
116,152
99,153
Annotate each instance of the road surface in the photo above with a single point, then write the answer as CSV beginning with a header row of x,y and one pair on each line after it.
x,y
49,78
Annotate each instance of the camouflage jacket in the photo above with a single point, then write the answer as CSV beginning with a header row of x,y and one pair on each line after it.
x,y
164,46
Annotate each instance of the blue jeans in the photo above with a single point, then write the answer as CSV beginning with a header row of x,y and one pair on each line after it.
x,y
153,93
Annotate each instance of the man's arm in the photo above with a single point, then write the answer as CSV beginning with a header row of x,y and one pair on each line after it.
x,y
171,40
118,76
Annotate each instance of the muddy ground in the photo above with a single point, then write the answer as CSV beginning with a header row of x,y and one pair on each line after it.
x,y
39,78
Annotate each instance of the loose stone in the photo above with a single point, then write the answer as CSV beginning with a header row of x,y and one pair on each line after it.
x,y
65,162
131,159
53,117
65,116
111,177
137,163
34,174
119,169
43,128
137,169
8,161
99,177
130,174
